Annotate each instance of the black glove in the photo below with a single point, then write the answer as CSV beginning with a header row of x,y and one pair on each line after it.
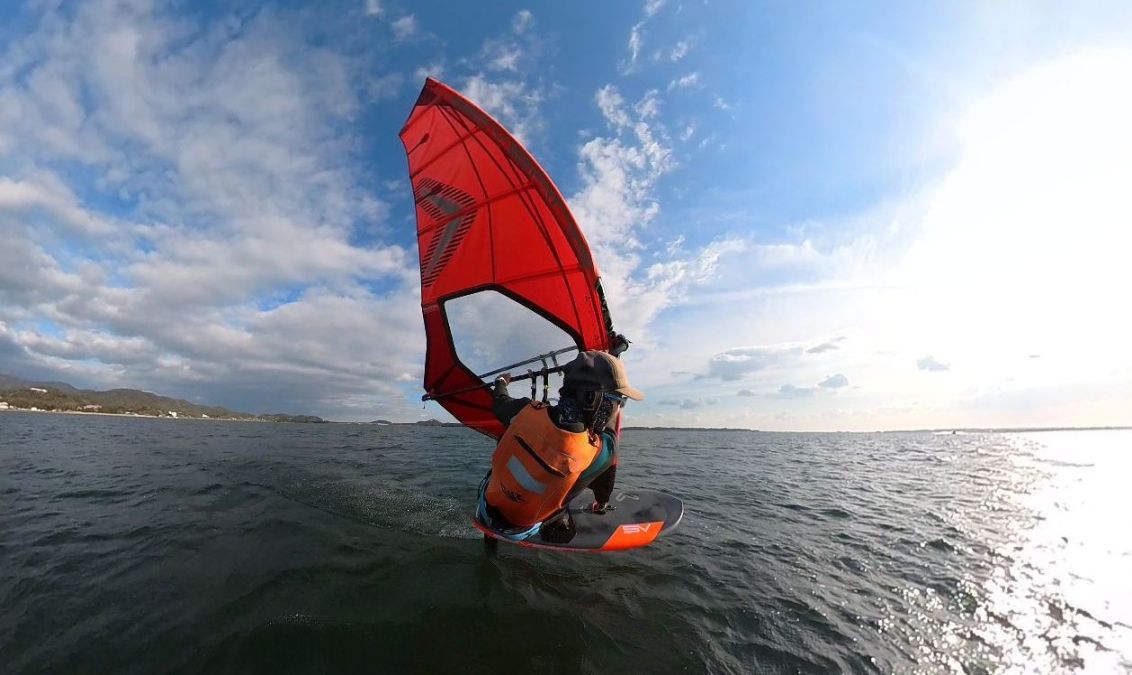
x,y
620,344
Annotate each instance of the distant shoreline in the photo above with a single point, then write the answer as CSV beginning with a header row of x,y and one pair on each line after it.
x,y
138,415
29,396
946,431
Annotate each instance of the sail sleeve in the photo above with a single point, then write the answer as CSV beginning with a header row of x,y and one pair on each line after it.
x,y
489,218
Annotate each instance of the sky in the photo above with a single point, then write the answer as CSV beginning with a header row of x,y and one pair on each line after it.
x,y
808,216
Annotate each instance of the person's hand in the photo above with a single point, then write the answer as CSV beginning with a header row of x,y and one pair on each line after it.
x,y
620,344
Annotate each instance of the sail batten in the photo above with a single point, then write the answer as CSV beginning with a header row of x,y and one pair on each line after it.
x,y
490,219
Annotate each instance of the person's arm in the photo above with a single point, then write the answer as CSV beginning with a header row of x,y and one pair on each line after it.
x,y
613,424
602,486
503,405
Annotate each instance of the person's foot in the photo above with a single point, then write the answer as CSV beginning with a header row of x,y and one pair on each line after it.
x,y
601,507
559,530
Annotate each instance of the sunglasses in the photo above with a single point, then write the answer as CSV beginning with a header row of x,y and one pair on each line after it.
x,y
616,398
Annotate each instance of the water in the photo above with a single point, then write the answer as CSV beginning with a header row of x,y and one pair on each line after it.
x,y
140,545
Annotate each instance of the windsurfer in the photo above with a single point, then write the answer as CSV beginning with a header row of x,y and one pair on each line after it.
x,y
551,453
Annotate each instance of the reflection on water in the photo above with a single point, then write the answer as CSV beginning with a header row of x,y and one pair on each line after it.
x,y
1065,598
1015,557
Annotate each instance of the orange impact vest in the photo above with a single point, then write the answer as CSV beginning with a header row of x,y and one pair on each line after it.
x,y
535,465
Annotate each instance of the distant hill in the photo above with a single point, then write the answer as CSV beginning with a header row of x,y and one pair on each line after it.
x,y
9,382
280,417
18,393
422,423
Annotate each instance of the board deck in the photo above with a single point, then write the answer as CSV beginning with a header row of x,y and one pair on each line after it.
x,y
638,518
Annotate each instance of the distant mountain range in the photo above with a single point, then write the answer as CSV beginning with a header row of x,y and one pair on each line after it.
x,y
27,394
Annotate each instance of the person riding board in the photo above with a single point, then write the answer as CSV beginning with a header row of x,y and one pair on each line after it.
x,y
551,453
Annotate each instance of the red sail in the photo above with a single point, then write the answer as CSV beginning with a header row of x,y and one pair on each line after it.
x,y
489,218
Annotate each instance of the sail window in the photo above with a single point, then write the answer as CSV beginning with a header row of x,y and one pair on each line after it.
x,y
491,331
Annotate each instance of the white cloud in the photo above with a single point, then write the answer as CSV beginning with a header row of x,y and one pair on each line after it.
x,y
649,106
680,50
522,21
685,82
380,87
636,41
616,203
187,175
931,363
502,56
45,192
826,346
834,382
690,403
612,106
435,70
405,27
736,363
373,8
791,391
512,102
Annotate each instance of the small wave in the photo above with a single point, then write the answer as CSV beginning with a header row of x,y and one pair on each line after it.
x,y
796,507
1063,463
851,564
93,494
941,544
380,506
208,489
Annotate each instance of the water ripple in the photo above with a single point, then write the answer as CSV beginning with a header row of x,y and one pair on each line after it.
x,y
134,545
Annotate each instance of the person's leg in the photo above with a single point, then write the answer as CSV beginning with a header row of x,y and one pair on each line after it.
x,y
602,487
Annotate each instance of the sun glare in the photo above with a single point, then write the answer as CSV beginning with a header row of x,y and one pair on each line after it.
x,y
1025,243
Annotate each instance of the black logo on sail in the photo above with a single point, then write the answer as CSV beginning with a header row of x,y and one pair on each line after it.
x,y
457,211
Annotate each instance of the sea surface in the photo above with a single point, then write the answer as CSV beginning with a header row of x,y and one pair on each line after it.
x,y
144,546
